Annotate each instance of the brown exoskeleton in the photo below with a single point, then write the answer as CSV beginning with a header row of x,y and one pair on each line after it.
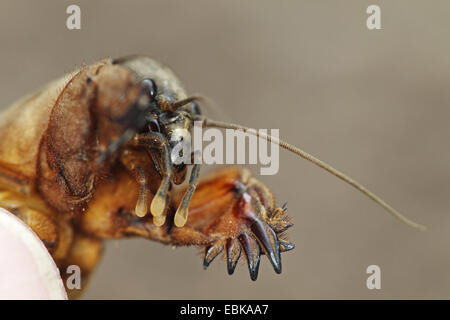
x,y
88,158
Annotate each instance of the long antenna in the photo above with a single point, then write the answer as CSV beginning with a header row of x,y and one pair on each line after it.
x,y
319,163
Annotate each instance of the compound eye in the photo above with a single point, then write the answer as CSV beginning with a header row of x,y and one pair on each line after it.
x,y
148,87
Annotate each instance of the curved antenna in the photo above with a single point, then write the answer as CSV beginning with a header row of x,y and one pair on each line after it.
x,y
319,163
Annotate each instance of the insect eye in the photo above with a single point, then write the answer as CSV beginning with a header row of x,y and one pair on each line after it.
x,y
148,87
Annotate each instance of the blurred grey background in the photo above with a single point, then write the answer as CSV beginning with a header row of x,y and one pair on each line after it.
x,y
375,104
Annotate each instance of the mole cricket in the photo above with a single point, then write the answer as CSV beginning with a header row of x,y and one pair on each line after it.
x,y
87,158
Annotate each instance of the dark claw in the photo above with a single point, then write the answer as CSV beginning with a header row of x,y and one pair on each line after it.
x,y
233,254
269,242
252,252
286,246
210,253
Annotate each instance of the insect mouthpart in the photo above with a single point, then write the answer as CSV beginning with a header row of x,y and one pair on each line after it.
x,y
163,131
156,125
